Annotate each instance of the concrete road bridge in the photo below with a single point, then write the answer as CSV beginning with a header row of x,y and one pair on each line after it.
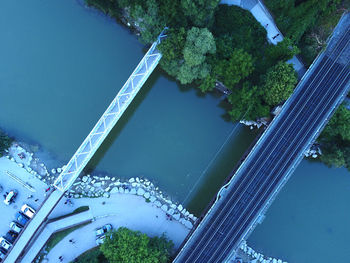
x,y
248,192
86,150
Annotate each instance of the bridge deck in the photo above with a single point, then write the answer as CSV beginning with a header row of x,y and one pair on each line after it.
x,y
88,148
273,158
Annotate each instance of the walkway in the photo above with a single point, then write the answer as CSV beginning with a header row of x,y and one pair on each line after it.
x,y
89,146
263,16
119,210
52,228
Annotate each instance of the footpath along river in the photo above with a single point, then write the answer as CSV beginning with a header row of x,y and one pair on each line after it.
x,y
62,64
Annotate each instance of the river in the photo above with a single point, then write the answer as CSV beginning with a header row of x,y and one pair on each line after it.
x,y
62,64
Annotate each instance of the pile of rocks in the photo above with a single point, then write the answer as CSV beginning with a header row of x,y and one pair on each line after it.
x,y
255,124
256,256
97,186
102,186
25,159
313,152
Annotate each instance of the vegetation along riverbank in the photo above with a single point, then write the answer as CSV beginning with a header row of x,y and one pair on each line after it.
x,y
209,43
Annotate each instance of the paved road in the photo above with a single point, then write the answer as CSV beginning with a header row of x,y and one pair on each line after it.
x,y
272,159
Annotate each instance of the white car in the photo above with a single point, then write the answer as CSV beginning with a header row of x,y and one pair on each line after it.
x,y
28,211
5,244
103,230
15,227
10,197
100,240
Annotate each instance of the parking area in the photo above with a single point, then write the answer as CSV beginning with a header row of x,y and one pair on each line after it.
x,y
30,190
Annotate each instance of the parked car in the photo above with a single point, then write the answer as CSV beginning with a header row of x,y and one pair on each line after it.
x,y
238,260
10,197
103,230
11,236
5,244
14,226
3,251
21,218
100,240
2,255
28,211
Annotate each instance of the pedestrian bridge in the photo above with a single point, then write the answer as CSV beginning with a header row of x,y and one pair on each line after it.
x,y
87,149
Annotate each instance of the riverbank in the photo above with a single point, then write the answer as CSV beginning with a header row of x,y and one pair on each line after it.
x,y
110,200
120,210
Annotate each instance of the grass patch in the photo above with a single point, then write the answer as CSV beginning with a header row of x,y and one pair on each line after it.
x,y
58,236
76,211
93,255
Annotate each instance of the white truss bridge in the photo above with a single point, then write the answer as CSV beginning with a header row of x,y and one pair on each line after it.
x,y
109,118
87,149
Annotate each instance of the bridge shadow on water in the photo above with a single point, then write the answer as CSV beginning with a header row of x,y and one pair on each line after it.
x,y
127,115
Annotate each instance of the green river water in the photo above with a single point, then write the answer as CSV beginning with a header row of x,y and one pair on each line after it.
x,y
62,64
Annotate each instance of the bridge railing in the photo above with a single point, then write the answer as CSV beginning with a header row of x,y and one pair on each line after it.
x,y
110,117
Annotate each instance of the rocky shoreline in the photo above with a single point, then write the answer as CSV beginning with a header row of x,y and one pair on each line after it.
x,y
250,255
93,186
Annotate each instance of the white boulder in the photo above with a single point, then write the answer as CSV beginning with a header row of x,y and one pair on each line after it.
x,y
140,191
164,208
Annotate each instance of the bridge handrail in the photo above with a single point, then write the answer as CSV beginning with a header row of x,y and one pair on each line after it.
x,y
110,117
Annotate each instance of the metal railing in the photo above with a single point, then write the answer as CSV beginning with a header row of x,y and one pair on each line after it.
x,y
110,117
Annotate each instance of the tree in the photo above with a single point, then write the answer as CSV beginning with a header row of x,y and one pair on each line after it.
x,y
335,139
295,17
184,54
238,28
199,12
5,142
207,84
338,127
283,51
148,20
199,43
246,103
279,83
237,67
129,246
171,49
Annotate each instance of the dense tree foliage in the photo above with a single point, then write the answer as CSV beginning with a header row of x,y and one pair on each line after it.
x,y
232,70
149,21
335,139
295,17
199,12
126,246
279,83
247,104
91,256
185,54
209,43
307,23
5,142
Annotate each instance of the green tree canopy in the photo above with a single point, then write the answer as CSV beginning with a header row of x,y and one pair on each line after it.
x,y
185,53
338,126
149,20
5,142
335,139
237,67
283,51
246,103
237,28
199,12
126,246
279,83
295,17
